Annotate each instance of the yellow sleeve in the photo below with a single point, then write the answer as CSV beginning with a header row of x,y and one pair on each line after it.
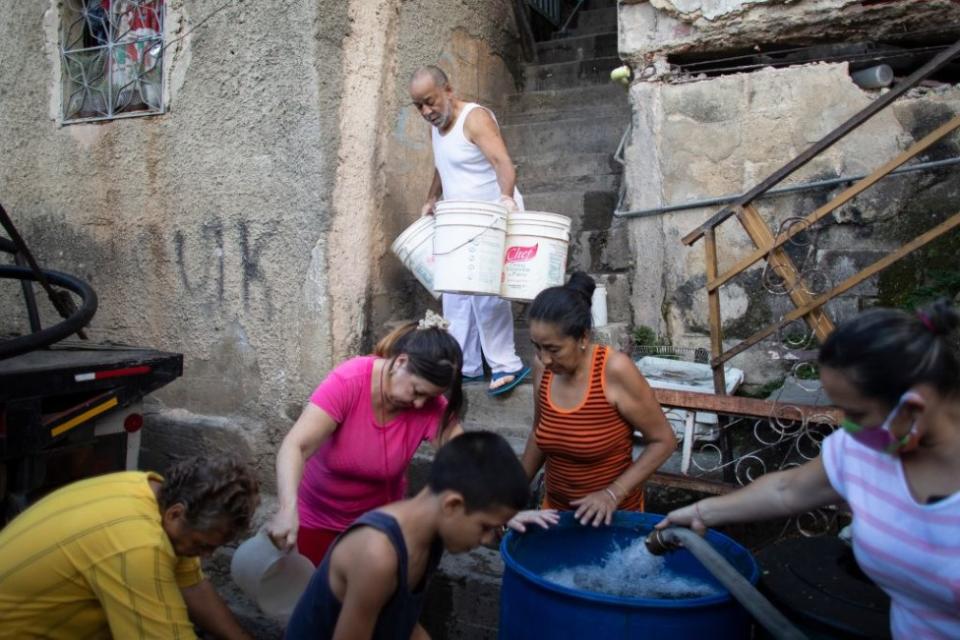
x,y
188,572
140,596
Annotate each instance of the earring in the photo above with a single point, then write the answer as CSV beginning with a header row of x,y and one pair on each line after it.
x,y
583,347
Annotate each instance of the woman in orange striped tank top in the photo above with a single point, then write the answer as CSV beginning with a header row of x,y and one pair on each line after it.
x,y
590,399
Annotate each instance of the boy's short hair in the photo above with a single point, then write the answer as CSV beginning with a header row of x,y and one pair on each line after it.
x,y
481,466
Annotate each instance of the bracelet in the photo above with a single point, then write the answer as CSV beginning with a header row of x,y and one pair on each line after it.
x,y
612,495
619,486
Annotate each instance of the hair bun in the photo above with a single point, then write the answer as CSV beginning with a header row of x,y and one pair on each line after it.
x,y
582,284
940,318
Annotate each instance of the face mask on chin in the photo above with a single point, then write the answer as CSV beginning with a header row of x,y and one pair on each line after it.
x,y
881,438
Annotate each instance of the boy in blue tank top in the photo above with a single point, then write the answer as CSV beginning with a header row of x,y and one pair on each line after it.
x,y
372,582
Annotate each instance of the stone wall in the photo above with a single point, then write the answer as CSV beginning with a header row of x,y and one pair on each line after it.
x,y
245,226
196,227
715,136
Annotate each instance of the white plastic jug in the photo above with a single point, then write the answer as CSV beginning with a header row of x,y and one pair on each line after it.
x,y
536,253
598,306
272,579
468,242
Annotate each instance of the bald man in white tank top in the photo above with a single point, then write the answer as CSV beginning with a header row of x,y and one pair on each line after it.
x,y
471,163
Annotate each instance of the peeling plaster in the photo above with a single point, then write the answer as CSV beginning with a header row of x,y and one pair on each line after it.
x,y
692,10
651,30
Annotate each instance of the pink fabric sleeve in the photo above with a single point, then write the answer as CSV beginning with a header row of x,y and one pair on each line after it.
x,y
337,394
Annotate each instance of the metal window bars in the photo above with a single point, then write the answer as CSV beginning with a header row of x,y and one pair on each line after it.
x,y
111,54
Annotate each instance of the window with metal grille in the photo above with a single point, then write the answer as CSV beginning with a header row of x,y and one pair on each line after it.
x,y
111,54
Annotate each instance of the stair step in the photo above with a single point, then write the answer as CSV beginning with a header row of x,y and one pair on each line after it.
x,y
510,414
463,599
601,134
595,21
604,182
598,45
570,112
562,75
568,203
560,165
560,100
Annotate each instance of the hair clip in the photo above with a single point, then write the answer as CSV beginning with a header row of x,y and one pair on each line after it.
x,y
927,322
433,321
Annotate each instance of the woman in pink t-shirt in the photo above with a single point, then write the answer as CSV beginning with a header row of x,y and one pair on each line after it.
x,y
348,452
895,461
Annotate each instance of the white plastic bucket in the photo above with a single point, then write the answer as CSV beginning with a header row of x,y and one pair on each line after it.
x,y
414,247
468,243
536,253
272,579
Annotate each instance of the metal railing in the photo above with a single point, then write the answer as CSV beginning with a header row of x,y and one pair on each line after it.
x,y
549,9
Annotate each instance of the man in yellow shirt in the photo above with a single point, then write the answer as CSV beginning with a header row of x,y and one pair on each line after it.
x,y
117,555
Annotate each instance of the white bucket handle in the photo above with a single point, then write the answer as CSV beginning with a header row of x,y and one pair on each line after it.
x,y
494,217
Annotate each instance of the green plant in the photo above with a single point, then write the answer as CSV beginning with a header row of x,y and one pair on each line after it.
x,y
942,284
645,339
644,336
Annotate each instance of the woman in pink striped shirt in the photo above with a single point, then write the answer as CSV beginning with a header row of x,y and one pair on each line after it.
x,y
896,462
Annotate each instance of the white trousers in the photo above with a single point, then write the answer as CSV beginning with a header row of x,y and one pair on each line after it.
x,y
482,322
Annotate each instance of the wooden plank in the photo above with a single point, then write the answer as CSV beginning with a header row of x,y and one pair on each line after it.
x,y
716,322
849,283
841,199
818,320
827,141
743,407
672,480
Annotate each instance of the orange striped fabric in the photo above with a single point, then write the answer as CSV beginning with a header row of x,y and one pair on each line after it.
x,y
586,447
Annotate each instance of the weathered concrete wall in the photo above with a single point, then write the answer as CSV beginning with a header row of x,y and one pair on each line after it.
x,y
245,227
476,43
723,136
653,29
203,229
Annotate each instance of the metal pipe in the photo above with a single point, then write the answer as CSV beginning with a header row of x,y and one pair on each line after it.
x,y
876,77
661,541
806,186
566,24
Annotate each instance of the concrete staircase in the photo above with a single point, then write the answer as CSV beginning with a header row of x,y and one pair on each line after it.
x,y
562,132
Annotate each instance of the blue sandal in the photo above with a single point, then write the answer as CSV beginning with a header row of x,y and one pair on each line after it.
x,y
471,379
518,377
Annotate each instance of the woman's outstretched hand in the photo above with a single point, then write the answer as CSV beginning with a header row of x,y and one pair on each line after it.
x,y
688,516
595,508
542,517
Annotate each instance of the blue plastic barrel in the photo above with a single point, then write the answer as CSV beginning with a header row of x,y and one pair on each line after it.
x,y
532,607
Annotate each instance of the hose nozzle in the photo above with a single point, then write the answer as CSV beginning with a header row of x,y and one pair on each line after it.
x,y
658,543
